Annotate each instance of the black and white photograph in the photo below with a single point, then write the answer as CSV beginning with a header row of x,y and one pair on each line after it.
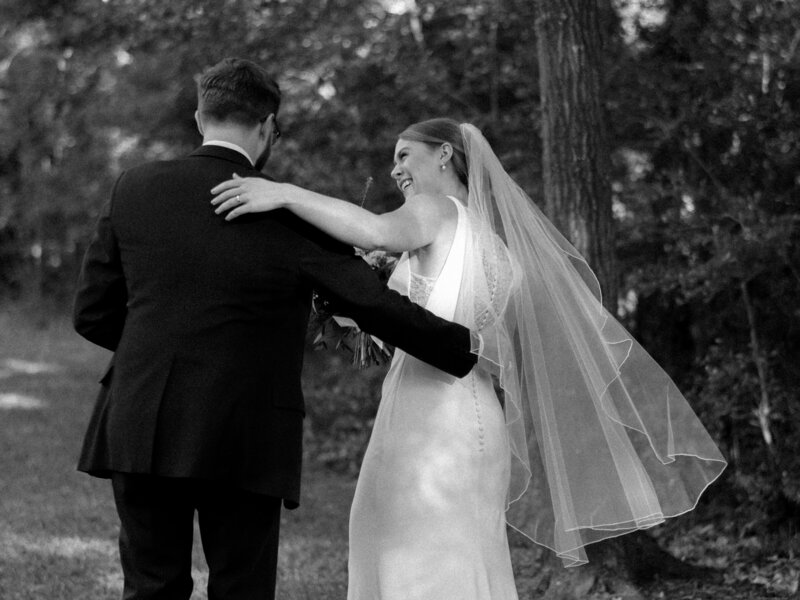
x,y
399,300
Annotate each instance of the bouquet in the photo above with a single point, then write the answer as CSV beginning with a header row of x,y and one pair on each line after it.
x,y
366,349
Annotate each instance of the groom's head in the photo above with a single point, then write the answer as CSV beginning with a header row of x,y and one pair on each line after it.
x,y
238,95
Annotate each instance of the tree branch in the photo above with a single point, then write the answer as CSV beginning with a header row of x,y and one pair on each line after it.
x,y
764,406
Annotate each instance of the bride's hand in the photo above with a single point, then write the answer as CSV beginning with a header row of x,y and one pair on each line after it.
x,y
241,195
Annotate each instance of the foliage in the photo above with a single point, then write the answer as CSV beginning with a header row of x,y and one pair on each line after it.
x,y
709,207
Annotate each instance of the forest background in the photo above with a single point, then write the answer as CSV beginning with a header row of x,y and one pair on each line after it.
x,y
701,106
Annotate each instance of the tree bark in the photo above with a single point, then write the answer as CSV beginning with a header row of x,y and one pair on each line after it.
x,y
576,161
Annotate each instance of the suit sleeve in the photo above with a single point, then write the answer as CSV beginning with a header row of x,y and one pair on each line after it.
x,y
101,299
350,284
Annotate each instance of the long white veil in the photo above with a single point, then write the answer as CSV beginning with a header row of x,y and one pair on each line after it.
x,y
602,441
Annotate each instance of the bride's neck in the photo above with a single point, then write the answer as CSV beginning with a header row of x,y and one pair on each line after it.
x,y
457,190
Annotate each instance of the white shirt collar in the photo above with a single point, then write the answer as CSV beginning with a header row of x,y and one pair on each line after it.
x,y
230,146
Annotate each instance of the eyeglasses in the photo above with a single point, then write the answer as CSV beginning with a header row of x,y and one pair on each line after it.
x,y
276,131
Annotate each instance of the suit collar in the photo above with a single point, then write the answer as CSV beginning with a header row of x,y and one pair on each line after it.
x,y
224,154
229,155
230,145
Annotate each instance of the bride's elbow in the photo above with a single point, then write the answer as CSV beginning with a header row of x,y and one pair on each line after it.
x,y
367,241
384,235
368,246
374,237
385,244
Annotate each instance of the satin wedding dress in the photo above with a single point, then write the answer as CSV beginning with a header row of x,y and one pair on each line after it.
x,y
428,517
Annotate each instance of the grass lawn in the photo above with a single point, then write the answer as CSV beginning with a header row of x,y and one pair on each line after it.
x,y
58,527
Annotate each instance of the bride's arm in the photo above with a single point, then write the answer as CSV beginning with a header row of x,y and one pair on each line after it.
x,y
413,225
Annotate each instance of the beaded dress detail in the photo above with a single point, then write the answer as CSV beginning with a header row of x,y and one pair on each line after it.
x,y
420,288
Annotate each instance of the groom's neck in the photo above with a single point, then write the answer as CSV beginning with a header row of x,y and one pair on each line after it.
x,y
233,135
225,135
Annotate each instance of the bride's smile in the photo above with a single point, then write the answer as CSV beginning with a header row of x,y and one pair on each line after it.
x,y
417,169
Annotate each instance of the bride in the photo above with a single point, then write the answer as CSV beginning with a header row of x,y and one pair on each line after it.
x,y
588,437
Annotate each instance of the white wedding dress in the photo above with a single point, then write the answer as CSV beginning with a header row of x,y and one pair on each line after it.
x,y
593,439
428,517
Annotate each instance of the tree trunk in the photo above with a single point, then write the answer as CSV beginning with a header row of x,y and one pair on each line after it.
x,y
577,197
577,192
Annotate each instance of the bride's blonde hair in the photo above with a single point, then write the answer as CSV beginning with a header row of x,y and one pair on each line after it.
x,y
436,132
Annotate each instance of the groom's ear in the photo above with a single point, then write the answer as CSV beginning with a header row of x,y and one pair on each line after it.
x,y
198,121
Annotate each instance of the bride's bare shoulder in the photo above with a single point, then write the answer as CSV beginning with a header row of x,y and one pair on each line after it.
x,y
435,206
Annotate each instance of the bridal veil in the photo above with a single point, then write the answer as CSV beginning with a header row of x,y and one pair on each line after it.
x,y
602,441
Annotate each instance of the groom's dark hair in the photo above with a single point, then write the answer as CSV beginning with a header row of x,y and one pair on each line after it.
x,y
238,90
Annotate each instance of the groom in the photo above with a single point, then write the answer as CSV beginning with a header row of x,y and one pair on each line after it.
x,y
201,409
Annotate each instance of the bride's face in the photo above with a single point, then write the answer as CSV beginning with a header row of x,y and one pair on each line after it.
x,y
416,168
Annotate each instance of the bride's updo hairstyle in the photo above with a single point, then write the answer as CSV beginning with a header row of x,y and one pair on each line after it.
x,y
436,132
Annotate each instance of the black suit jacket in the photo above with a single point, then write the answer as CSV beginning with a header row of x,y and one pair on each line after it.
x,y
207,320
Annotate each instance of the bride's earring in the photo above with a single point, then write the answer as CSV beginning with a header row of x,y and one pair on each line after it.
x,y
443,167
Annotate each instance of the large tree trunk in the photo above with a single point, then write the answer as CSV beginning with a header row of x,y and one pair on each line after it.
x,y
577,196
577,192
